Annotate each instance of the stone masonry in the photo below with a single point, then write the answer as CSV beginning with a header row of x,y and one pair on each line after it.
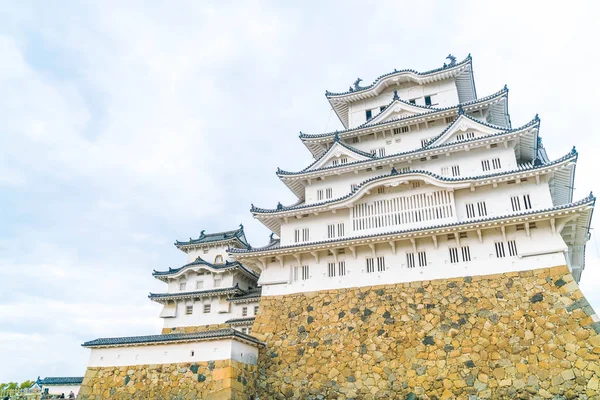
x,y
525,335
196,328
213,380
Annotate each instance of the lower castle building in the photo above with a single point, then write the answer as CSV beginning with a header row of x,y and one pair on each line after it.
x,y
434,252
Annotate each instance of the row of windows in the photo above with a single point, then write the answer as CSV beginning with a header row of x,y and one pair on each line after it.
x,y
457,254
206,308
479,209
335,230
200,284
468,135
301,235
491,164
451,171
327,192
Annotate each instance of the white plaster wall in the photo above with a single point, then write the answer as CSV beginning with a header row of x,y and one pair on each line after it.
x,y
469,162
59,389
199,317
223,349
443,94
209,253
483,261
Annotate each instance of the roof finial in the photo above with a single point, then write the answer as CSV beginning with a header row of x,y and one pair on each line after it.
x,y
506,87
241,226
279,205
326,92
357,84
461,110
202,233
252,207
573,150
271,236
537,117
394,171
452,60
336,137
396,95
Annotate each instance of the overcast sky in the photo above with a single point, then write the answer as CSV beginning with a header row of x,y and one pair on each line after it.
x,y
127,125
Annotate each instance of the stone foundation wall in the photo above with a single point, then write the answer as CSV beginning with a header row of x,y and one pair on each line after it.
x,y
213,380
192,329
516,335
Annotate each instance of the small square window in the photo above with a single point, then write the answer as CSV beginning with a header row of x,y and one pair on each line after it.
x,y
206,308
255,310
244,311
189,310
368,114
427,100
182,286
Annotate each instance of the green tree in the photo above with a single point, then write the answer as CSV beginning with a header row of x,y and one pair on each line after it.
x,y
26,385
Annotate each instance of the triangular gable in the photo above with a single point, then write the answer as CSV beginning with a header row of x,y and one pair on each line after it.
x,y
338,152
464,128
397,109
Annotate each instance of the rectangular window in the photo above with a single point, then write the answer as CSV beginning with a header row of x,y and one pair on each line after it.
x,y
328,193
413,101
485,165
344,160
527,202
296,273
470,135
410,260
422,259
470,210
244,311
244,330
380,264
455,170
331,269
380,190
368,114
199,284
515,203
496,163
380,152
449,120
255,310
301,235
453,255
445,171
370,265
427,100
305,272
330,231
206,308
342,268
189,310
182,286
466,253
340,228
416,184
481,208
460,136
320,194
355,140
512,248
335,162
218,282
500,250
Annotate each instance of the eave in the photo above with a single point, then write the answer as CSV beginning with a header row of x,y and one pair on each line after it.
x,y
186,246
170,338
271,218
162,297
557,213
339,101
295,181
498,102
196,266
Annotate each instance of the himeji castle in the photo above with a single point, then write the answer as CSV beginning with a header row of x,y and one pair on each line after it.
x,y
434,250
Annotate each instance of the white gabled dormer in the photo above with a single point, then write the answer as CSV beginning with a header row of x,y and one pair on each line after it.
x,y
337,154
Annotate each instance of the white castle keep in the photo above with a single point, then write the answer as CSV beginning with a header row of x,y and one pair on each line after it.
x,y
425,182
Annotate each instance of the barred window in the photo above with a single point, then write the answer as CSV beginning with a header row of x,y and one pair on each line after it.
x,y
422,259
453,255
466,253
331,269
500,253
342,268
527,202
370,265
512,248
189,310
515,203
380,264
410,260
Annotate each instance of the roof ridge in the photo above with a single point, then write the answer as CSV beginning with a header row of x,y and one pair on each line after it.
x,y
357,89
433,110
420,149
395,173
590,198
